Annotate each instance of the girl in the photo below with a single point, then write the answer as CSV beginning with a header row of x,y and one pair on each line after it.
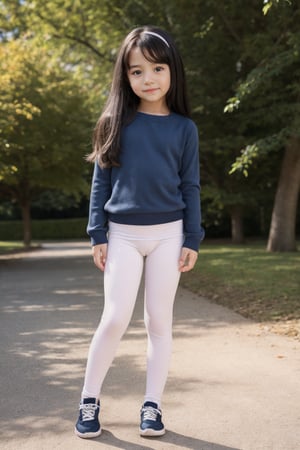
x,y
144,211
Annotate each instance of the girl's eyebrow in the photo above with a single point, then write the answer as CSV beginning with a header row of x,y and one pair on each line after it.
x,y
141,65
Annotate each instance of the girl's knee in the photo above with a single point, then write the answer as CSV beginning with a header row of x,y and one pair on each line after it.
x,y
158,327
112,327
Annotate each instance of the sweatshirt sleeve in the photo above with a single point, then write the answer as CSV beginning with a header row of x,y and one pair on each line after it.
x,y
190,188
100,193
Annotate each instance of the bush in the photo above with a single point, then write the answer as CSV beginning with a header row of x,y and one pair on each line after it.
x,y
45,229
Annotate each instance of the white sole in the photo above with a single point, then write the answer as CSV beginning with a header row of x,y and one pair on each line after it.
x,y
87,435
148,432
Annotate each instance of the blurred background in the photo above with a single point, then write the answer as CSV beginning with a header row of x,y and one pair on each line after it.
x,y
243,72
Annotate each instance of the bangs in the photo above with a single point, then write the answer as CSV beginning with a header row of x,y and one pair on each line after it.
x,y
152,48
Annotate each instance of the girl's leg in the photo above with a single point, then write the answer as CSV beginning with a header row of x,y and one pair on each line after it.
x,y
161,282
122,277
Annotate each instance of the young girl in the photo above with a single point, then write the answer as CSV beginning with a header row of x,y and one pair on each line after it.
x,y
144,213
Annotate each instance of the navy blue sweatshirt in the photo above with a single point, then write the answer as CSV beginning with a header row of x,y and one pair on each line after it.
x,y
158,180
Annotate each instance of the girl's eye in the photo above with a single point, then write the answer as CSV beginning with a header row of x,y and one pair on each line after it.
x,y
136,72
158,69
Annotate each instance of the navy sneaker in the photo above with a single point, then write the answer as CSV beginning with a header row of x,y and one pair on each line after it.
x,y
151,424
88,425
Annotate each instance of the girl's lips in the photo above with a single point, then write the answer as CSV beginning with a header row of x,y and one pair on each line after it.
x,y
150,90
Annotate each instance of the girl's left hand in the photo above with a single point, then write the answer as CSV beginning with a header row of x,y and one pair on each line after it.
x,y
187,259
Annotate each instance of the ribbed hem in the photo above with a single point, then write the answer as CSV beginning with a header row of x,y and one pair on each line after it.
x,y
147,218
192,243
98,237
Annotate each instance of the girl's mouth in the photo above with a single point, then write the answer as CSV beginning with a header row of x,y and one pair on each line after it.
x,y
149,91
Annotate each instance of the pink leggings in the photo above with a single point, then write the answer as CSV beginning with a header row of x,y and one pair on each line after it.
x,y
130,249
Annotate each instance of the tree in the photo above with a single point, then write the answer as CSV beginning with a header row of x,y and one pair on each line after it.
x,y
219,34
44,126
282,236
65,50
227,48
273,78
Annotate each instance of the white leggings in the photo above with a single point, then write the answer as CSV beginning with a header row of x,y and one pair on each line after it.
x,y
130,247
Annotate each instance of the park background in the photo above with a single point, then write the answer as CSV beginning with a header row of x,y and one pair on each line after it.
x,y
243,70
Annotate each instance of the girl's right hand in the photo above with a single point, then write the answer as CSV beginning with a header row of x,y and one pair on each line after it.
x,y
99,254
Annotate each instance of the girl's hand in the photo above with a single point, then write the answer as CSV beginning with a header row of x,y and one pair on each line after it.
x,y
99,253
187,259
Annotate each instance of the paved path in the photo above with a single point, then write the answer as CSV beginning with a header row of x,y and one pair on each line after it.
x,y
232,386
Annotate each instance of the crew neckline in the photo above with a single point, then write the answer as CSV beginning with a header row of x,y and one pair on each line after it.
x,y
155,116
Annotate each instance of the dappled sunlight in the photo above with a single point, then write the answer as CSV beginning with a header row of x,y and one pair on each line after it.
x,y
85,292
60,372
29,424
38,308
50,310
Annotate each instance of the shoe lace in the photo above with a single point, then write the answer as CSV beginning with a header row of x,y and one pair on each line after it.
x,y
88,411
150,413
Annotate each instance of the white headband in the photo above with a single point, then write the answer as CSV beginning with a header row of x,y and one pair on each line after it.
x,y
159,36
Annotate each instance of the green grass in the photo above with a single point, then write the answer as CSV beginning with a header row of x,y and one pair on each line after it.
x,y
10,246
257,284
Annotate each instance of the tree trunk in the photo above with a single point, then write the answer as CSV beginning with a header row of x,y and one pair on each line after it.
x,y
282,235
237,226
26,224
25,202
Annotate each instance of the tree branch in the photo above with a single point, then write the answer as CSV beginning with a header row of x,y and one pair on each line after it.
x,y
228,25
83,42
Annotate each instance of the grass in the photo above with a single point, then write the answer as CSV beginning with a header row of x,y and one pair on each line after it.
x,y
10,246
260,285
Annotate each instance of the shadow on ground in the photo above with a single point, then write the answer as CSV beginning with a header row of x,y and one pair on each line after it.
x,y
50,308
183,442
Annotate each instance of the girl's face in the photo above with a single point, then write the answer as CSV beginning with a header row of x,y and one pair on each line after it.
x,y
149,81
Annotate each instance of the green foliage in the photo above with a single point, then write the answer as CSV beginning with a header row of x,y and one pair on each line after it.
x,y
269,3
45,229
84,34
270,88
260,148
222,34
44,122
232,50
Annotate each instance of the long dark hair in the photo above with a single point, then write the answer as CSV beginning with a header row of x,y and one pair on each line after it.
x,y
122,102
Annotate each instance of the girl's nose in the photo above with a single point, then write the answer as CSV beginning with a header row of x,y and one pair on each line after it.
x,y
148,78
